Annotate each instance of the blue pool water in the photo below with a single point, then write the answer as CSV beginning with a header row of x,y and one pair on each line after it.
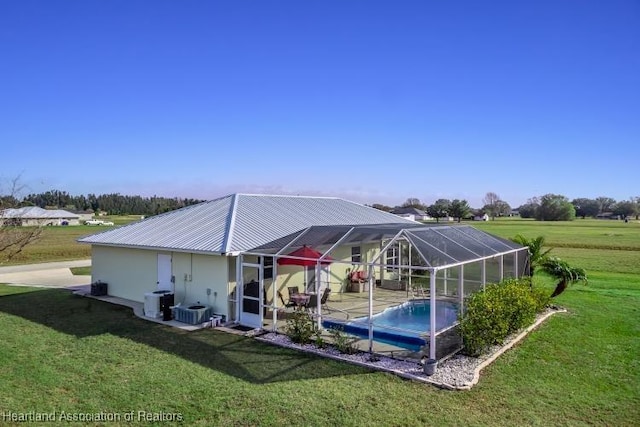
x,y
412,316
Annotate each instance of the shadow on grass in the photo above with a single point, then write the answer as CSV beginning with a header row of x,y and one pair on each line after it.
x,y
235,355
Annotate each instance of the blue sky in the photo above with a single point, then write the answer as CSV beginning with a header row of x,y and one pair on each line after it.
x,y
374,101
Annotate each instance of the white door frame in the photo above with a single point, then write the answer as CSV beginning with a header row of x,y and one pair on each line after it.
x,y
165,272
246,318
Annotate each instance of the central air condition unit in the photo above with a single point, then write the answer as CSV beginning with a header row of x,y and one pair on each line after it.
x,y
152,303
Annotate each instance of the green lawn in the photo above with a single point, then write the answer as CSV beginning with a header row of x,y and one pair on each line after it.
x,y
87,356
59,243
587,233
81,271
597,245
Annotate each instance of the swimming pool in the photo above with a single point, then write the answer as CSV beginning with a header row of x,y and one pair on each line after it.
x,y
413,317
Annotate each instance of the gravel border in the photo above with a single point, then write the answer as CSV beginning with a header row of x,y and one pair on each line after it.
x,y
459,372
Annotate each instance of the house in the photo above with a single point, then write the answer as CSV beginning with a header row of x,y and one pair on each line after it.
x,y
36,216
84,215
607,215
411,213
481,217
193,251
236,254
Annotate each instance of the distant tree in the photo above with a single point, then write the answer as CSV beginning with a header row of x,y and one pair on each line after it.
x,y
114,204
528,210
490,204
586,207
459,209
503,208
13,236
413,202
494,206
605,204
381,207
8,201
624,209
439,209
564,273
636,202
555,207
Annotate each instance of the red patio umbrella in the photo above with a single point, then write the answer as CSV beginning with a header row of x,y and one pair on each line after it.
x,y
304,252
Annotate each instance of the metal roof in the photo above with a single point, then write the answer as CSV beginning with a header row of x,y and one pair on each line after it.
x,y
35,212
238,222
408,210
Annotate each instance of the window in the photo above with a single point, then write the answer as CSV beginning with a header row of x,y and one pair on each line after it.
x,y
355,254
392,258
267,267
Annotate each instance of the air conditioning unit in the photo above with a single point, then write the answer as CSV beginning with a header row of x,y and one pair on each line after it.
x,y
152,303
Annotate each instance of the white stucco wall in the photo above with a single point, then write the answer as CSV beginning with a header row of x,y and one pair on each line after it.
x,y
291,275
130,273
195,274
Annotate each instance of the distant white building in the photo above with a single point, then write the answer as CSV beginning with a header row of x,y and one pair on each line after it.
x,y
483,217
35,216
411,213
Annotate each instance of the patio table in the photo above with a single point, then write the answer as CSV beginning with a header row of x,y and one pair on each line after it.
x,y
300,299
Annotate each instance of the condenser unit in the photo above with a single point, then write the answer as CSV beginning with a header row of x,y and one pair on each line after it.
x,y
152,303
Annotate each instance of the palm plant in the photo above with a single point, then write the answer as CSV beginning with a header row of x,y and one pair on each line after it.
x,y
563,272
536,253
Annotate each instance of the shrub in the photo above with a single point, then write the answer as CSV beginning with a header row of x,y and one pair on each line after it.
x,y
300,327
541,298
503,308
318,339
343,342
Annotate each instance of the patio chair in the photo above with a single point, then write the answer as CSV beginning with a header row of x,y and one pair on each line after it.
x,y
358,276
325,297
293,290
313,302
285,304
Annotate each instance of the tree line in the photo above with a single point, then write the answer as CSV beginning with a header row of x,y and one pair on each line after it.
x,y
549,207
112,204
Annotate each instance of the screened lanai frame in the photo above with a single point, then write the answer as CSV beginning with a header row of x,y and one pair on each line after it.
x,y
439,248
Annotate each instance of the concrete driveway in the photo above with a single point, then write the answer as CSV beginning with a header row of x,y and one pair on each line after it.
x,y
50,274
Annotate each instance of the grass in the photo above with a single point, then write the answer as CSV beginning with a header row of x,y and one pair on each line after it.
x,y
87,356
59,243
580,368
81,271
597,245
587,233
